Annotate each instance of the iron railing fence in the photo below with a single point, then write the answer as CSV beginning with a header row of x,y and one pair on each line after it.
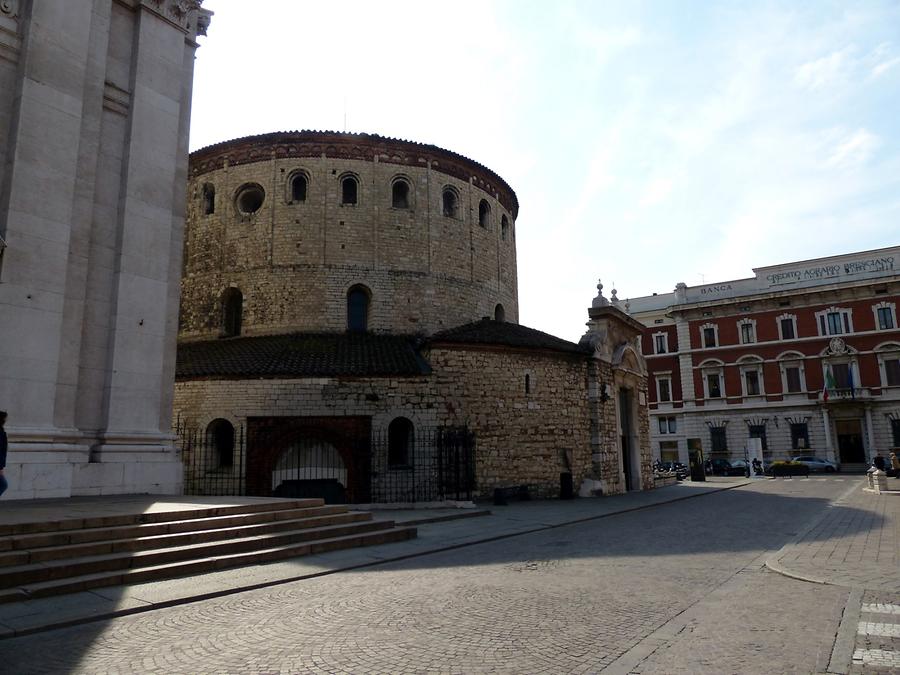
x,y
424,465
214,461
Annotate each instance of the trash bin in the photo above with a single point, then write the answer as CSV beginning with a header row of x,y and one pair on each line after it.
x,y
566,488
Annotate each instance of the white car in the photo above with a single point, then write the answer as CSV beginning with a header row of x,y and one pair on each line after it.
x,y
817,464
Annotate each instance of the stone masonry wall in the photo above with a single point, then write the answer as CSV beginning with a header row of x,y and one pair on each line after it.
x,y
521,438
295,261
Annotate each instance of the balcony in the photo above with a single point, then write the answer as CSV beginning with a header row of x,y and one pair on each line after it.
x,y
846,394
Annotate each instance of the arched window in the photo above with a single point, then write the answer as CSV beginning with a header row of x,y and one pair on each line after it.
x,y
450,203
400,443
484,213
299,183
221,438
504,228
232,311
249,198
358,309
499,313
209,199
349,191
400,194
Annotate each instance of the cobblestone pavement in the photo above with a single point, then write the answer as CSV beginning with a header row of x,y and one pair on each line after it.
x,y
674,588
855,544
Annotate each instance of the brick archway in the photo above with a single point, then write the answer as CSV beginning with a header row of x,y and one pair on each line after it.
x,y
269,437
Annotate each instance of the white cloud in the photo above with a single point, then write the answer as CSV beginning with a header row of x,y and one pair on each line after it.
x,y
826,71
884,66
656,191
854,149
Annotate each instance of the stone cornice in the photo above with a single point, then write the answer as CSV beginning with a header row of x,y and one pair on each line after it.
x,y
366,147
180,13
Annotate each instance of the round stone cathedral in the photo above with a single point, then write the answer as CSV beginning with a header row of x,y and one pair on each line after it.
x,y
313,231
349,330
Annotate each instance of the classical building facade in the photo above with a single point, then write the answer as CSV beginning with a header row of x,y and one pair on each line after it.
x,y
804,355
350,307
93,168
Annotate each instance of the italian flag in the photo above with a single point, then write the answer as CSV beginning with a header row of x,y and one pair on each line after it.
x,y
829,383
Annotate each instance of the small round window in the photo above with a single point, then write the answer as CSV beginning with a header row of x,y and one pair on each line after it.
x,y
250,199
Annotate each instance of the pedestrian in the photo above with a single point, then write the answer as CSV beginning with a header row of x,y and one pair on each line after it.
x,y
879,462
895,464
3,443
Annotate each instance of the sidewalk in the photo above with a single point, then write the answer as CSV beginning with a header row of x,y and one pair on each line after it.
x,y
856,543
503,521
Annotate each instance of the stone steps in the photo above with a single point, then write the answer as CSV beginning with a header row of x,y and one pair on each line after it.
x,y
43,559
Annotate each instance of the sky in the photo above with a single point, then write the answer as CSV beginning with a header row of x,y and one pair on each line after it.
x,y
648,142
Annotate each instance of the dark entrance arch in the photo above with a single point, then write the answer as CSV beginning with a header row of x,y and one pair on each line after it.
x,y
272,439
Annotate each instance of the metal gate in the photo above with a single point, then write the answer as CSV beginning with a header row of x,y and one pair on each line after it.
x,y
390,466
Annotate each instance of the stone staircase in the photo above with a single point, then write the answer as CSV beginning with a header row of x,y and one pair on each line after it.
x,y
40,559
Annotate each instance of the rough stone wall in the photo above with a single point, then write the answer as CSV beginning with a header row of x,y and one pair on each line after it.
x,y
606,456
295,261
520,437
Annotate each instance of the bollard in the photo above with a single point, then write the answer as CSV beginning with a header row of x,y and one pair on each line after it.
x,y
870,477
880,481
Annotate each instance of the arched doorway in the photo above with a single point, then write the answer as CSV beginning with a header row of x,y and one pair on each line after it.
x,y
324,457
310,467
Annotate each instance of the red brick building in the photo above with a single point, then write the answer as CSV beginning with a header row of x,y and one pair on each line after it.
x,y
804,355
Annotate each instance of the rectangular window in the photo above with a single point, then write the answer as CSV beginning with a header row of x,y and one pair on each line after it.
x,y
759,431
667,425
712,384
885,318
747,335
895,432
799,436
792,377
661,344
841,372
835,325
751,377
665,389
892,372
709,337
717,439
787,329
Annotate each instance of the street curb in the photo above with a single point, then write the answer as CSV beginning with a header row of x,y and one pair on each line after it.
x,y
7,633
842,651
772,561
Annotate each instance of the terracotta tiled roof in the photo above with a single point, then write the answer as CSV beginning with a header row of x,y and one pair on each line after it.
x,y
301,355
489,332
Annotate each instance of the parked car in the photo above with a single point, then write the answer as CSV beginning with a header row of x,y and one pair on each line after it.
x,y
817,463
723,467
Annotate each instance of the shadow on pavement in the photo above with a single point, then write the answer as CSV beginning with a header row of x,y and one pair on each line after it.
x,y
725,523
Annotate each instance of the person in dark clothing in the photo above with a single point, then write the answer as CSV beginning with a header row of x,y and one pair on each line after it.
x,y
3,443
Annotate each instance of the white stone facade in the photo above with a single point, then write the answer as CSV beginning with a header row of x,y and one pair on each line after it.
x,y
95,114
